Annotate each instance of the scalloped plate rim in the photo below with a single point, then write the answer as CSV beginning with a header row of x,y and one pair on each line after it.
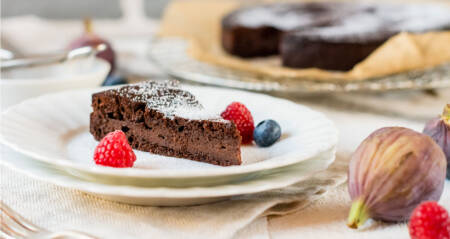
x,y
288,178
167,173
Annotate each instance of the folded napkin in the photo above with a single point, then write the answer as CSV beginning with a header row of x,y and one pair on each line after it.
x,y
245,216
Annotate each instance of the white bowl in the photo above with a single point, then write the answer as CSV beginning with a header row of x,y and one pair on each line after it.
x,y
20,84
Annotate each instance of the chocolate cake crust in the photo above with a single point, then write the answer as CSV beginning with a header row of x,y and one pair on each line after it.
x,y
163,119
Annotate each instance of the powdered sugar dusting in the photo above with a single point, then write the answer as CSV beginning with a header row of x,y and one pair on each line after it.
x,y
169,99
285,16
341,21
420,18
381,21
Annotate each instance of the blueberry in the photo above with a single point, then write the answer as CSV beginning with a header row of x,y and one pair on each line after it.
x,y
114,80
266,133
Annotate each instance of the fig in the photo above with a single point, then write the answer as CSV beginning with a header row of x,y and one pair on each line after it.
x,y
89,38
391,172
439,130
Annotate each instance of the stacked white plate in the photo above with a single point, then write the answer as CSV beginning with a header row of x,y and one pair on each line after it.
x,y
50,139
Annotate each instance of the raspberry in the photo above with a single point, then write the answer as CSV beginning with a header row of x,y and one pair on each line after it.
x,y
429,221
114,151
241,116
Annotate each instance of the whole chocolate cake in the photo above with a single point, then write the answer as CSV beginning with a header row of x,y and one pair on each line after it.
x,y
331,36
161,118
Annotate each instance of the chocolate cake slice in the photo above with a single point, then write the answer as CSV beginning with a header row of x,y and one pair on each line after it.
x,y
257,30
161,118
326,35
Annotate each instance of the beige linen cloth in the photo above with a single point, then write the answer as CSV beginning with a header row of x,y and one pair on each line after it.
x,y
248,216
240,217
251,216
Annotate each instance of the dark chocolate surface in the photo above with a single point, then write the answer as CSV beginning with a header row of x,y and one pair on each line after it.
x,y
151,115
333,36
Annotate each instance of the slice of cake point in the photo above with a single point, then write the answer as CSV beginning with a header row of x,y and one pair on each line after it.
x,y
161,118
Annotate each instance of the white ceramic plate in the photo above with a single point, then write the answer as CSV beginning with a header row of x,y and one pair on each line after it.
x,y
54,129
160,196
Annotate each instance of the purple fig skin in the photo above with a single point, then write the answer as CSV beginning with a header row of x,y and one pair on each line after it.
x,y
393,171
89,38
93,40
439,130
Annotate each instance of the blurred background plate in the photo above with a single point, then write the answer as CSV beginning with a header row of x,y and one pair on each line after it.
x,y
170,54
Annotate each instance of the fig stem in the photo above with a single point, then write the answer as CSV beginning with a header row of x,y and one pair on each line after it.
x,y
87,22
446,114
358,214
